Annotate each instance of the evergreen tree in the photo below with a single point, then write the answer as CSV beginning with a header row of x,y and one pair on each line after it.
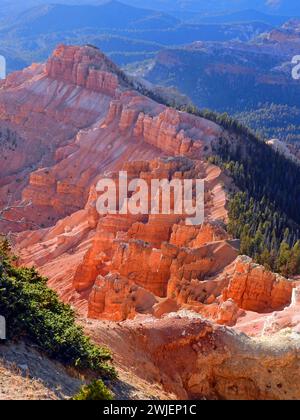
x,y
284,257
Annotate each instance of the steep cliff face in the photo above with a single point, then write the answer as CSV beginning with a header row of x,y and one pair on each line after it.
x,y
91,69
157,253
256,289
83,121
177,265
80,117
194,358
221,363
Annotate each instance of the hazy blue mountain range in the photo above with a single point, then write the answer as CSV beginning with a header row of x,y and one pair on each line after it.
x,y
213,51
208,7
241,16
127,34
112,15
241,78
285,7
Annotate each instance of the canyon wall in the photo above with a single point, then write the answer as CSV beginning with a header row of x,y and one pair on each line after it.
x,y
177,292
80,117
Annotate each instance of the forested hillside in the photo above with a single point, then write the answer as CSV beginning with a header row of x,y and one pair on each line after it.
x,y
264,212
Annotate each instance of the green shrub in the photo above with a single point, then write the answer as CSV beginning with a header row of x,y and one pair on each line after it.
x,y
95,391
34,311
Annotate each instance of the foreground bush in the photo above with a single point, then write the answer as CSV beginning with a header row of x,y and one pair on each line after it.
x,y
96,391
34,311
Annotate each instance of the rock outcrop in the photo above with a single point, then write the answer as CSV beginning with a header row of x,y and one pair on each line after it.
x,y
160,277
221,364
116,298
104,126
87,67
196,359
159,254
256,289
80,117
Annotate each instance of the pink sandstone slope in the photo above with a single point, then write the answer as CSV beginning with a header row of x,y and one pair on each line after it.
x,y
179,292
79,117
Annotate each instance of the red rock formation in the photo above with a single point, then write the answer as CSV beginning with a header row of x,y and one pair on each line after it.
x,y
228,313
138,248
286,320
116,233
147,267
116,298
82,120
193,270
196,359
254,288
86,67
119,124
80,117
196,236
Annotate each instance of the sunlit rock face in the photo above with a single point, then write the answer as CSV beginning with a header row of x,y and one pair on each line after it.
x,y
79,116
103,126
256,289
181,292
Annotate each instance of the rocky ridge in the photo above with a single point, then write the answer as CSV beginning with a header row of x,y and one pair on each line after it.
x,y
82,121
79,122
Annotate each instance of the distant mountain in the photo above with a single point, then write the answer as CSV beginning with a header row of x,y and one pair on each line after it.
x,y
207,7
284,7
127,34
243,16
239,77
112,15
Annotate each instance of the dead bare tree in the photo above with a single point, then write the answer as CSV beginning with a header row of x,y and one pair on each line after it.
x,y
10,207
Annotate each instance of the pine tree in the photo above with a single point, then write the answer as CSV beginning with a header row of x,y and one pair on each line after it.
x,y
284,258
294,264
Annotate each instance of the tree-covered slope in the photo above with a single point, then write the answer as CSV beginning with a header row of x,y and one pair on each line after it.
x,y
34,312
274,121
264,210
